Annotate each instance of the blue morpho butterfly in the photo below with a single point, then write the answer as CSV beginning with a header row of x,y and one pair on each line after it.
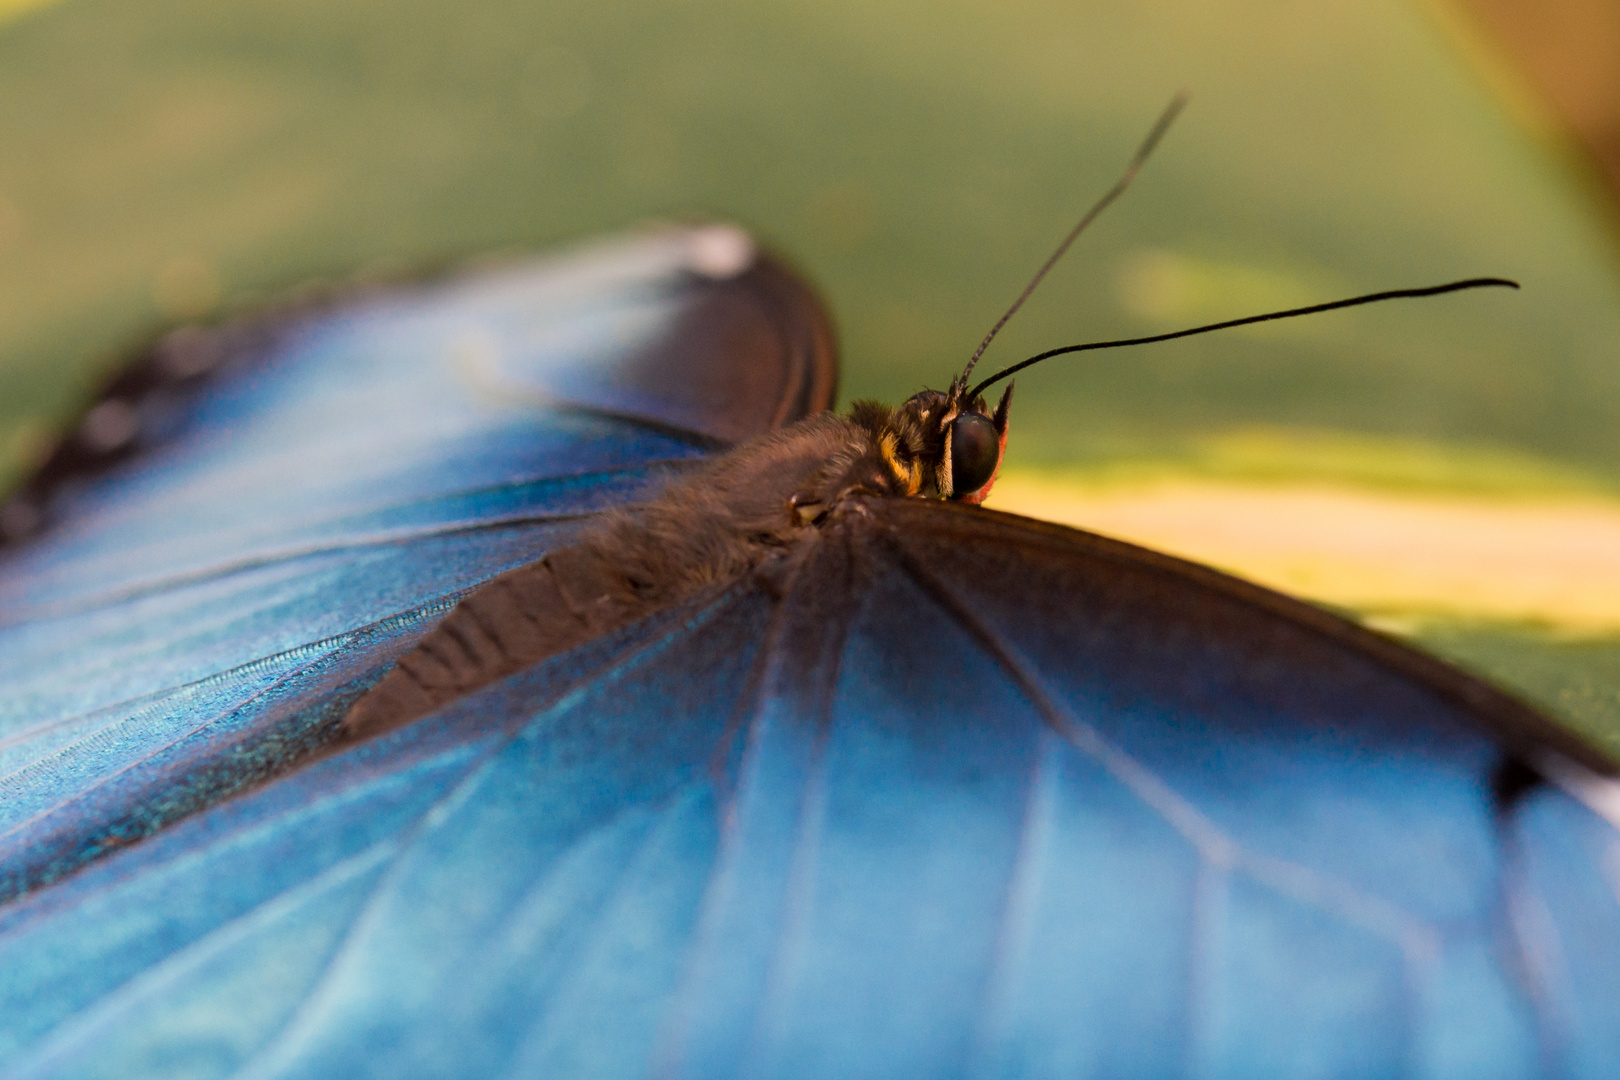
x,y
922,790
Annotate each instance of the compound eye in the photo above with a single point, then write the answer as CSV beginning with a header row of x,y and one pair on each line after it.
x,y
975,453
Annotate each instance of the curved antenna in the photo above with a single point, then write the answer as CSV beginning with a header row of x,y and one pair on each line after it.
x,y
1370,298
1177,103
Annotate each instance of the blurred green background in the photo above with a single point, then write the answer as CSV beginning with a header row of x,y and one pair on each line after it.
x,y
171,158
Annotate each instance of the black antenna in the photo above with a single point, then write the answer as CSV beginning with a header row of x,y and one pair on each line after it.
x,y
1176,105
1370,298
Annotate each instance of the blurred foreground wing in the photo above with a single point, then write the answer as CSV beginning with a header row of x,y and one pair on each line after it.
x,y
955,794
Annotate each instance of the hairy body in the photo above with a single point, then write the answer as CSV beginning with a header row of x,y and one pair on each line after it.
x,y
708,526
721,521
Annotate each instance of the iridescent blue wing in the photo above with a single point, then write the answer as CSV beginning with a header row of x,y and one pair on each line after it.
x,y
256,516
955,794
950,793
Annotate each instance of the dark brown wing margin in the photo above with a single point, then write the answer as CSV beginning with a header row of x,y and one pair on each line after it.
x,y
749,353
1518,726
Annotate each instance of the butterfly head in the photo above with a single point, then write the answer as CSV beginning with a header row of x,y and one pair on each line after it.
x,y
945,445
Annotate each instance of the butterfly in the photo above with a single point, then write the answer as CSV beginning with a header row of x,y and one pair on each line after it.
x,y
927,790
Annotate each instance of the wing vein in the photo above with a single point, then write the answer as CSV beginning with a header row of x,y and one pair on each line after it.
x,y
306,1016
1417,939
221,571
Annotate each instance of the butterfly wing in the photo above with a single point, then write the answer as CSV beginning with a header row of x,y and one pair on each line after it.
x,y
1272,843
253,542
952,794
